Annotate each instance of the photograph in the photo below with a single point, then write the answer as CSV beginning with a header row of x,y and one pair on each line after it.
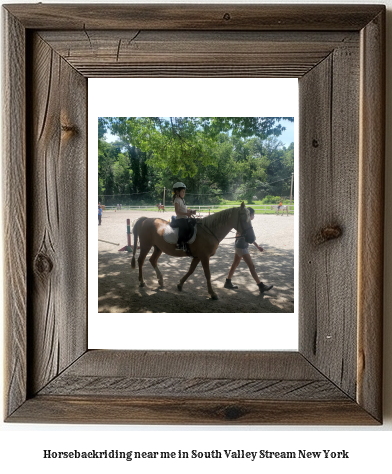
x,y
193,209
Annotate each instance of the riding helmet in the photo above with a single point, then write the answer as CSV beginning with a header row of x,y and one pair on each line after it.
x,y
179,185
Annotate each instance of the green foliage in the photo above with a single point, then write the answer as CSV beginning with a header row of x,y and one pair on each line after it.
x,y
122,173
183,144
273,200
102,127
245,127
217,158
178,143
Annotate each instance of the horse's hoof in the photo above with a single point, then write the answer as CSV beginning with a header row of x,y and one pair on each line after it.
x,y
141,284
179,287
214,296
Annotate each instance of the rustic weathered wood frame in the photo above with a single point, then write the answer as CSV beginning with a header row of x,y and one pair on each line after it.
x,y
337,52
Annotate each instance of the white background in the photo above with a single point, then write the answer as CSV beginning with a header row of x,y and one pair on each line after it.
x,y
22,445
180,98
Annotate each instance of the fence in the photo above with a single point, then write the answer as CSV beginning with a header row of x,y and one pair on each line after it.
x,y
262,208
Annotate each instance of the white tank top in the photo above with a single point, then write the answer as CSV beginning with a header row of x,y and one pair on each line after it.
x,y
182,208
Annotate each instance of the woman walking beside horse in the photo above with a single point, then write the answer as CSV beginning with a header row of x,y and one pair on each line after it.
x,y
242,252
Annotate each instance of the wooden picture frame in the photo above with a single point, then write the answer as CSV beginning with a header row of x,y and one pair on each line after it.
x,y
338,54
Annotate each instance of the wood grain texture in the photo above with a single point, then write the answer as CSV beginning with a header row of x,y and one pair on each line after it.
x,y
195,17
208,364
196,53
107,410
371,216
57,222
336,376
329,143
14,209
201,387
206,374
194,387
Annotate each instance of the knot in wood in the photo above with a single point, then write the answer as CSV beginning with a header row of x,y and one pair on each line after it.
x,y
227,16
329,232
232,413
69,128
315,143
43,264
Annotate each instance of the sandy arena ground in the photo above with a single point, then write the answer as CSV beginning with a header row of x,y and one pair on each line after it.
x,y
118,285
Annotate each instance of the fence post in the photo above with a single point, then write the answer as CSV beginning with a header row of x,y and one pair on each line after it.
x,y
128,247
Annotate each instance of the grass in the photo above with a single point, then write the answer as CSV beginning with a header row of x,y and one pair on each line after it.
x,y
215,207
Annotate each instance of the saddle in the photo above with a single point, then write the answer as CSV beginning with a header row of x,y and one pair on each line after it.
x,y
171,232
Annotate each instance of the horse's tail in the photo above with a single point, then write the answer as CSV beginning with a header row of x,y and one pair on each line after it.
x,y
135,231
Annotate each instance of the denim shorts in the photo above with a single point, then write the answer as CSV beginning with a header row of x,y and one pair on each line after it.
x,y
241,252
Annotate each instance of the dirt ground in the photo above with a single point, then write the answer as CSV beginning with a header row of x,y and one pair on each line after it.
x,y
118,285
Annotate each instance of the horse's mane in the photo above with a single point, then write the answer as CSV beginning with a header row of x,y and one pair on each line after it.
x,y
218,219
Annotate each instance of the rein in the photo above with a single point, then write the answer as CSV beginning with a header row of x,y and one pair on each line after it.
x,y
210,231
243,233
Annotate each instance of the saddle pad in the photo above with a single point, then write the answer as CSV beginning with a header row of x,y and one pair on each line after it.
x,y
171,235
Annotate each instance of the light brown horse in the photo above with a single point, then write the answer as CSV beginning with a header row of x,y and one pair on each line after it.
x,y
211,230
160,207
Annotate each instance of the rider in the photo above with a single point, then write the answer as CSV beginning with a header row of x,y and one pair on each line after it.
x,y
182,214
280,205
242,252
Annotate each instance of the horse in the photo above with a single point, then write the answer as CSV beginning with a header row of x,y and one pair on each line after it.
x,y
211,230
160,206
282,208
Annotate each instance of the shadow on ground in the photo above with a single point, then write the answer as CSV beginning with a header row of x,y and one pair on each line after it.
x,y
119,291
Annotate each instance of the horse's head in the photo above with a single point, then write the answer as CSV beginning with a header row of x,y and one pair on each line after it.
x,y
244,226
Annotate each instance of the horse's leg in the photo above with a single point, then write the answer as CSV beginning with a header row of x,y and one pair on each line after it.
x,y
194,263
154,262
142,256
206,267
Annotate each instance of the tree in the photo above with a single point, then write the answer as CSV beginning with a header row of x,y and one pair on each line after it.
x,y
214,156
245,127
122,174
183,144
281,165
102,127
